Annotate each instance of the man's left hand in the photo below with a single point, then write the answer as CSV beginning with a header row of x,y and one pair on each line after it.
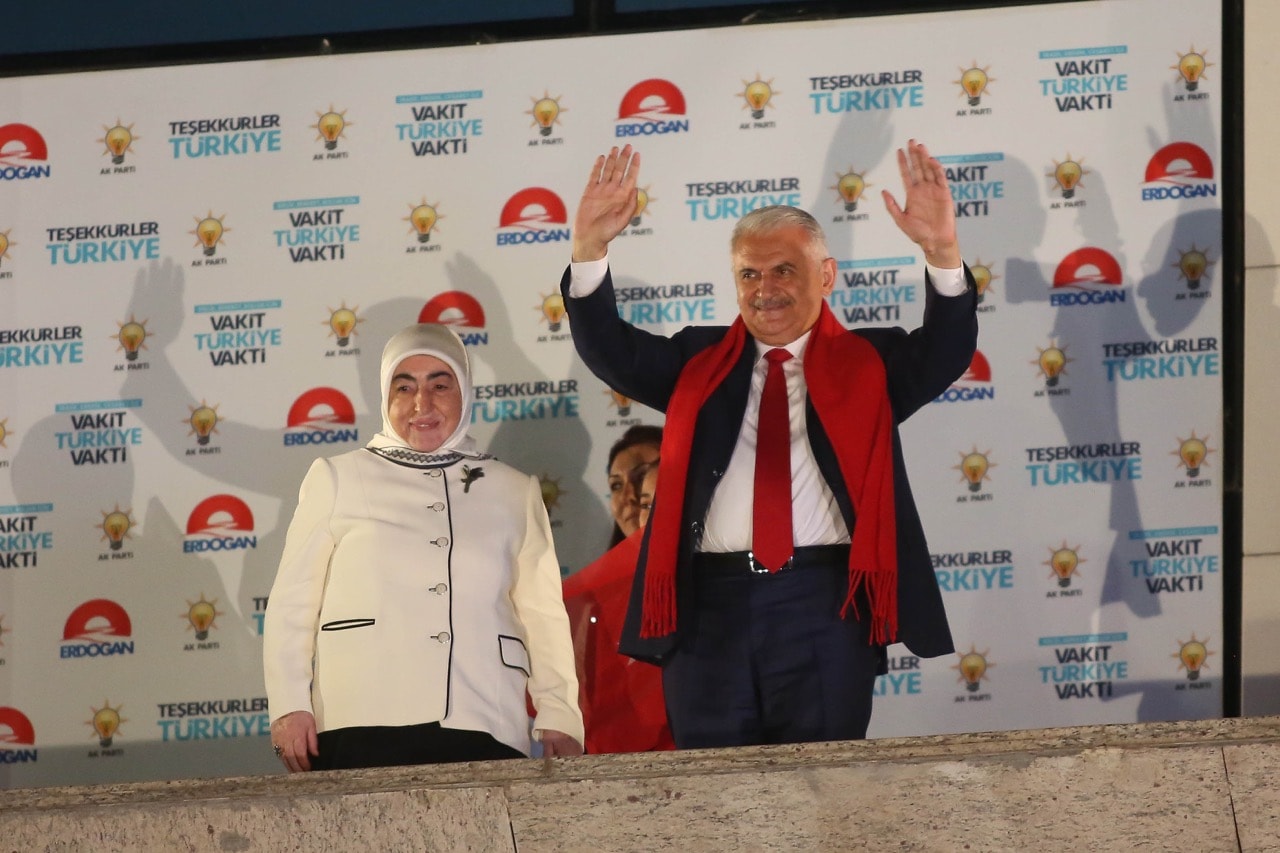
x,y
929,215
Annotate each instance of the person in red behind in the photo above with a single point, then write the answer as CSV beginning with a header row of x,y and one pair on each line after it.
x,y
621,698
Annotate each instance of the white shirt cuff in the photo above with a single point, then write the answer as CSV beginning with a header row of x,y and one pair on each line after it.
x,y
586,276
948,282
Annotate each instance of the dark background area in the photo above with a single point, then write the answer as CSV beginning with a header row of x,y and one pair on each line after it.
x,y
49,37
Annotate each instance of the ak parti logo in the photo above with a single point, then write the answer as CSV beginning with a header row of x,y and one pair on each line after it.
x,y
23,153
533,215
220,523
1087,276
652,107
320,416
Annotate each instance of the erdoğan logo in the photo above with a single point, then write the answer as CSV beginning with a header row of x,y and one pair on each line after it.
x,y
319,417
15,728
979,369
98,620
453,308
1179,163
975,384
533,209
533,215
652,101
21,144
321,408
1087,266
220,516
1180,170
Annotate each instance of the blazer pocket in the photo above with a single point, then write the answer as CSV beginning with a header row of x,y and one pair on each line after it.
x,y
346,624
514,654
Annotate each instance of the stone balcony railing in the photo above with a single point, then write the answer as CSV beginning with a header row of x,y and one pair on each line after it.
x,y
1184,786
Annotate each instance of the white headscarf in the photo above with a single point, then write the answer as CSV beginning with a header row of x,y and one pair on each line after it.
x,y
443,343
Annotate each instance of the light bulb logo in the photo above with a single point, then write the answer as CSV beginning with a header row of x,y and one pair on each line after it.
x,y
117,140
642,204
5,243
546,113
115,527
552,309
973,82
850,185
209,232
551,491
203,421
757,95
622,402
1067,175
105,722
1191,656
1191,66
330,126
423,218
982,277
201,616
1052,362
1191,453
5,432
973,667
1192,265
974,467
3,630
342,323
1064,562
131,337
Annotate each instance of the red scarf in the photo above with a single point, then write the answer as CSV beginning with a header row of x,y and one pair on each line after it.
x,y
847,385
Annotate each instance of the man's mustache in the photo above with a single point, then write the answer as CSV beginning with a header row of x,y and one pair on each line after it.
x,y
765,303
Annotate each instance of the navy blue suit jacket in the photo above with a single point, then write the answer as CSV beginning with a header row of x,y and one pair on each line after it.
x,y
919,365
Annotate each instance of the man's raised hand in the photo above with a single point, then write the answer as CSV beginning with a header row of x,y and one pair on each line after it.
x,y
928,216
607,205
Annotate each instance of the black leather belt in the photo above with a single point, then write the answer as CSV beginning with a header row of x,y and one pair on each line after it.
x,y
743,562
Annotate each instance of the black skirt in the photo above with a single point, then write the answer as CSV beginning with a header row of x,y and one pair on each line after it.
x,y
390,746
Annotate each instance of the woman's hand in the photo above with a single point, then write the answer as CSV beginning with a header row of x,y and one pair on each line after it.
x,y
293,737
558,744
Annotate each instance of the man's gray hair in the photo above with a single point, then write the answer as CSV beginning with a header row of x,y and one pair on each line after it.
x,y
766,219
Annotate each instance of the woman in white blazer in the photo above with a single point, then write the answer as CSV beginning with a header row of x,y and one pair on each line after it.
x,y
418,596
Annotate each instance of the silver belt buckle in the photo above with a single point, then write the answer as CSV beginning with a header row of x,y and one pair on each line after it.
x,y
757,568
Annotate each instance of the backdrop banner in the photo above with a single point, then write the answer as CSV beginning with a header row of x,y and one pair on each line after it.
x,y
199,266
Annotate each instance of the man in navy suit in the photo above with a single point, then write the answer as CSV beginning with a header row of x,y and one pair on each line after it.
x,y
761,645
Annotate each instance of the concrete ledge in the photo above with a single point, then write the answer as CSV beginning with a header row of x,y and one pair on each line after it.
x,y
1195,786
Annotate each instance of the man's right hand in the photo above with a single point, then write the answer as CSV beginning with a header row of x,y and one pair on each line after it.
x,y
607,205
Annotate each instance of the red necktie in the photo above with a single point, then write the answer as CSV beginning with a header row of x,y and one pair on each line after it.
x,y
771,537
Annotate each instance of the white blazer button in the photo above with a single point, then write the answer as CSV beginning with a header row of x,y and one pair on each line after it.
x,y
440,588
435,472
442,542
442,637
438,506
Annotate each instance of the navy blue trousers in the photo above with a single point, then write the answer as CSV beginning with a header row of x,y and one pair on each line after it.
x,y
766,658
